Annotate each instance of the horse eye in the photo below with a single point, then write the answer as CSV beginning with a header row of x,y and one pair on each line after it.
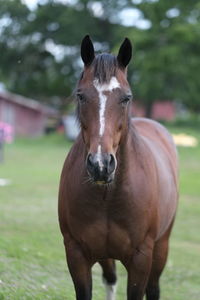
x,y
125,99
80,97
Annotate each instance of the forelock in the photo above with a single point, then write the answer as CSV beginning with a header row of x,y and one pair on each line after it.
x,y
105,66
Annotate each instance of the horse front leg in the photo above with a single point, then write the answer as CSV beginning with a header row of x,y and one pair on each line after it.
x,y
138,267
80,270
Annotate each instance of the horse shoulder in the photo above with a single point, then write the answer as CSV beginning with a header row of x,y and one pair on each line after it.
x,y
157,133
70,174
159,143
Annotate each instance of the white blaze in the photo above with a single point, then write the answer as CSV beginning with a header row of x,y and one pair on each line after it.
x,y
101,88
103,99
99,157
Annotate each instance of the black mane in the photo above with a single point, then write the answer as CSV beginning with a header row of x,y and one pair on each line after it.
x,y
105,66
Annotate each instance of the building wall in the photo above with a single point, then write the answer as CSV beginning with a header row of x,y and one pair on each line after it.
x,y
29,122
26,121
7,112
164,110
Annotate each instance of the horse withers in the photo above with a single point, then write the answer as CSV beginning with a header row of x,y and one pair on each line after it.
x,y
118,189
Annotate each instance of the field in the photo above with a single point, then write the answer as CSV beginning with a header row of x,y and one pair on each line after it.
x,y
32,259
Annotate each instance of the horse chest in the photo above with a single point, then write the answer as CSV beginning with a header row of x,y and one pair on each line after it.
x,y
120,241
104,237
108,228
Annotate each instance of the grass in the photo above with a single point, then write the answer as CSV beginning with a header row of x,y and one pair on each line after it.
x,y
32,259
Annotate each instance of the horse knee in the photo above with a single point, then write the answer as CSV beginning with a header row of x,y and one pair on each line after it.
x,y
110,278
109,271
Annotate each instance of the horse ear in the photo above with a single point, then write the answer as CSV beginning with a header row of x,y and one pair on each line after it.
x,y
87,50
125,53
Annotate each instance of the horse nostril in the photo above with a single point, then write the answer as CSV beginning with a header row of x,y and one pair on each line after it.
x,y
100,167
111,163
89,162
89,159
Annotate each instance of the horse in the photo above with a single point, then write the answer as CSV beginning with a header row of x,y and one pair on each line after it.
x,y
118,188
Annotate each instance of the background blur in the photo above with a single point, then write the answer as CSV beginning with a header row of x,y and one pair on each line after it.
x,y
40,47
39,67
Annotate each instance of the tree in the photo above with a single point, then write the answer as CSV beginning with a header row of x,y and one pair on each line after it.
x,y
167,61
32,40
40,49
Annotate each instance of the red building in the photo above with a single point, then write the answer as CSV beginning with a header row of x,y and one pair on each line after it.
x,y
26,116
161,110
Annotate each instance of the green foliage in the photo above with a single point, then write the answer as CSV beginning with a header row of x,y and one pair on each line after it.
x,y
166,55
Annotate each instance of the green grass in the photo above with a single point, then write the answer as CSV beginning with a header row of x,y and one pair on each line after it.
x,y
32,259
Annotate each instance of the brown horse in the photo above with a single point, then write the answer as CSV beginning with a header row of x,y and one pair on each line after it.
x,y
118,189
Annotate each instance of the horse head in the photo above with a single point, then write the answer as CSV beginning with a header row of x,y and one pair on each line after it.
x,y
103,104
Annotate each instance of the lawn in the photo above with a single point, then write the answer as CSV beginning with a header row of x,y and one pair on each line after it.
x,y
32,259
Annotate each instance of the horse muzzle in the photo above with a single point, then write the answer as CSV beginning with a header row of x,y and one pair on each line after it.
x,y
101,168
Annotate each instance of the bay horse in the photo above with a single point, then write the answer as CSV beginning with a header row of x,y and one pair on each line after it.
x,y
118,188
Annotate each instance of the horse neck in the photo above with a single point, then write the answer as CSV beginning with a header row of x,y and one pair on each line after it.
x,y
129,151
